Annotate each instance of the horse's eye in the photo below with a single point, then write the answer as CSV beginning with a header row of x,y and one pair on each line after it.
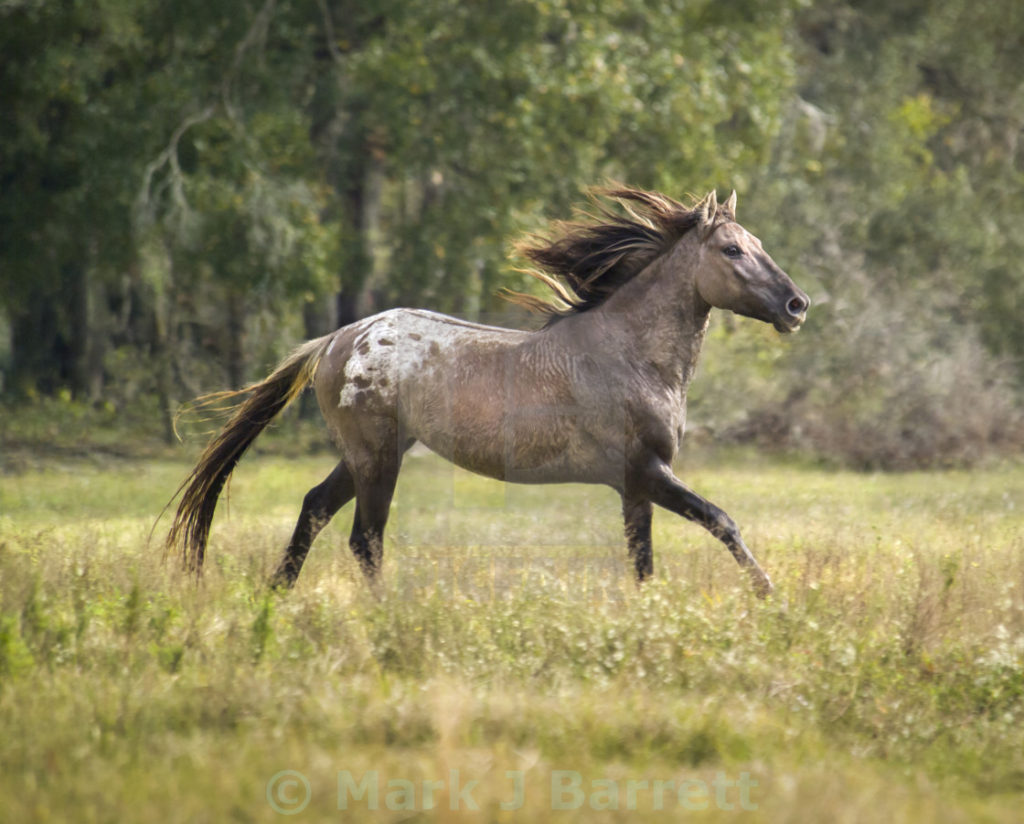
x,y
732,251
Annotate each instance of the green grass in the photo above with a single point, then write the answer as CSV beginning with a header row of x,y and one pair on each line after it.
x,y
885,677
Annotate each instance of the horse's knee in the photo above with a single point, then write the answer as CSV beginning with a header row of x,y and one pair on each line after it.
x,y
722,526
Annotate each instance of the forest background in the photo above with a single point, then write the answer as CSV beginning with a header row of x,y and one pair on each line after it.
x,y
189,189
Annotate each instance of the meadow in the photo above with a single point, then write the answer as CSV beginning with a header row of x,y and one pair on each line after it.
x,y
508,668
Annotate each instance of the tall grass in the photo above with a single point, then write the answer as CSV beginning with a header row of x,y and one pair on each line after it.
x,y
887,673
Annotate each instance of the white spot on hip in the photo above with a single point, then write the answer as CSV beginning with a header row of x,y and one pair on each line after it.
x,y
397,346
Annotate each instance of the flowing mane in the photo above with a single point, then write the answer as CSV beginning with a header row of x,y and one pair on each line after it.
x,y
585,261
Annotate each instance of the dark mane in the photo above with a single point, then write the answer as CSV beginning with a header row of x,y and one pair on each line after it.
x,y
586,260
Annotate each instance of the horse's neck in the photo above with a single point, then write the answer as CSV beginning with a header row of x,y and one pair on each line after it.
x,y
662,317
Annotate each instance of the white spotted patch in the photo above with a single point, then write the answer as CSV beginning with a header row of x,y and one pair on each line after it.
x,y
399,345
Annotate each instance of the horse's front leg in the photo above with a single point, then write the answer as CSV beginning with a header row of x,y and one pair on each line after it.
x,y
667,491
637,512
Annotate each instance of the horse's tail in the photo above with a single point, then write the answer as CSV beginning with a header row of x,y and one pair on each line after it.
x,y
200,490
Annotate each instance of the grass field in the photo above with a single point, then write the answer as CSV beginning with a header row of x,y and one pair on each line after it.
x,y
509,669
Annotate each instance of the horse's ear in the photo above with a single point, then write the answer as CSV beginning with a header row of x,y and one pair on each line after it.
x,y
730,205
706,210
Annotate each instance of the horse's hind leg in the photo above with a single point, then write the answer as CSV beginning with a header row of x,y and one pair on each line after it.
x,y
374,491
376,473
637,514
318,507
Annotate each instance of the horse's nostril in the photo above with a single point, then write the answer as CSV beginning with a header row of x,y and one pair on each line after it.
x,y
796,306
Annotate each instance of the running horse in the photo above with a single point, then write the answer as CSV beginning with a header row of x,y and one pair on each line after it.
x,y
597,395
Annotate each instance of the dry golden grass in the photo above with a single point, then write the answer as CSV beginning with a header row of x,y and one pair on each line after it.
x,y
509,645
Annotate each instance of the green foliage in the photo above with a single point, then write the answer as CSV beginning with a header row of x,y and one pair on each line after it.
x,y
186,188
900,192
15,656
281,149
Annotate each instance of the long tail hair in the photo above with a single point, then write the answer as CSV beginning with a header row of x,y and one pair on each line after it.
x,y
200,490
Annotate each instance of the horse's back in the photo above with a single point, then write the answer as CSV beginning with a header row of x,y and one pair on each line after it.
x,y
404,359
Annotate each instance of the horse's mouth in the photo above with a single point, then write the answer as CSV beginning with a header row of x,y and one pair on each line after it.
x,y
789,326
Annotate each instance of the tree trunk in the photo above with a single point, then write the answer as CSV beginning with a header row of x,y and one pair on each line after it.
x,y
160,346
97,326
236,341
76,301
362,196
37,351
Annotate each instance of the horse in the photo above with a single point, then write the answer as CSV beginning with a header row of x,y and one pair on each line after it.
x,y
596,395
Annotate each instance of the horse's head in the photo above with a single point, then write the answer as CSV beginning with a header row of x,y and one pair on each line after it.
x,y
735,273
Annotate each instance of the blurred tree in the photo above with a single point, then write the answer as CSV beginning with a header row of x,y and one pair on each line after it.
x,y
139,181
479,117
186,188
895,190
61,232
158,159
922,169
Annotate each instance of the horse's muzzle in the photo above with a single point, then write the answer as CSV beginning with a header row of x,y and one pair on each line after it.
x,y
793,314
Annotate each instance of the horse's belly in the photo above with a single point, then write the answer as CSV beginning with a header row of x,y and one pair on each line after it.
x,y
526,446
